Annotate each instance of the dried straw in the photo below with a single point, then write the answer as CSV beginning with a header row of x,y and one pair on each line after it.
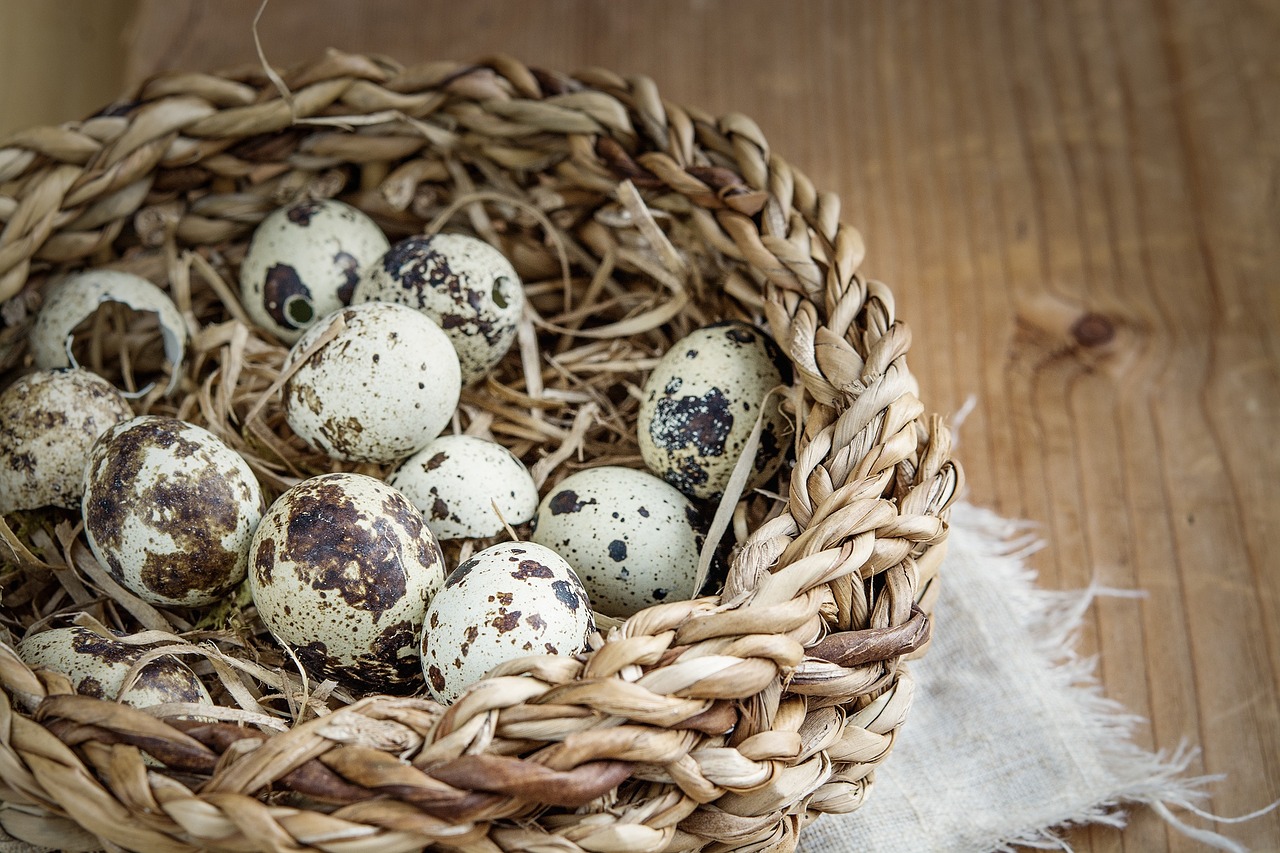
x,y
728,722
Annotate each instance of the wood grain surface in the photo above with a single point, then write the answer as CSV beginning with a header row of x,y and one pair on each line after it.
x,y
1077,206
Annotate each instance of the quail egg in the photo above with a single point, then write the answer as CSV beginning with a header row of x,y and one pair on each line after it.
x,y
379,390
341,570
457,480
98,665
303,264
506,602
48,422
467,286
78,297
633,539
701,402
169,509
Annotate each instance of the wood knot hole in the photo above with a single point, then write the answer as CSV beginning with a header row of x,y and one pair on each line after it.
x,y
1093,330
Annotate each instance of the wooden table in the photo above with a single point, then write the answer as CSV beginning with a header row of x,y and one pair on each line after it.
x,y
1077,206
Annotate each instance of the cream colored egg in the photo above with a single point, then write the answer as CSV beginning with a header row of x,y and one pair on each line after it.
x,y
169,509
98,666
633,539
458,480
303,264
48,422
467,286
701,402
386,383
506,602
341,570
78,297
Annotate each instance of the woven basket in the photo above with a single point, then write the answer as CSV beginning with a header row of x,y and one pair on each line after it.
x,y
725,723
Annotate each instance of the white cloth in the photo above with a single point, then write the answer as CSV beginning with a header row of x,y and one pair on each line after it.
x,y
1009,736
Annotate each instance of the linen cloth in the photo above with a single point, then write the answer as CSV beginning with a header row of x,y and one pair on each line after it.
x,y
1009,737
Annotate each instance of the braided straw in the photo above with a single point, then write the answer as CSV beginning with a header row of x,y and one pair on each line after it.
x,y
724,723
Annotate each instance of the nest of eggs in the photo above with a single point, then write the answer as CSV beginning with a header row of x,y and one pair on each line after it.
x,y
727,722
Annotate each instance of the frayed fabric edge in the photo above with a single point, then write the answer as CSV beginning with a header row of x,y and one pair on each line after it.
x,y
1054,619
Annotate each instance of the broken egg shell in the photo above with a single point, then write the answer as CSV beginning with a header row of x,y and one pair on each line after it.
x,y
303,263
457,479
383,387
462,283
701,402
341,570
98,665
48,422
506,602
169,509
76,299
633,539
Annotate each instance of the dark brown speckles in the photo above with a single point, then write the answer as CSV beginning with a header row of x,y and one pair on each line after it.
x,y
532,569
284,294
94,645
506,621
536,622
264,559
301,212
617,550
459,574
350,267
435,461
436,677
567,501
90,686
439,510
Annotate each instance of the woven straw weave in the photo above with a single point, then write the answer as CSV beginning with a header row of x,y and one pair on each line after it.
x,y
725,723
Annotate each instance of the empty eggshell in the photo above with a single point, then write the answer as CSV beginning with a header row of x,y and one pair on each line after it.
x,y
98,666
384,386
48,422
303,264
633,539
701,403
467,286
506,602
341,570
169,509
77,297
457,479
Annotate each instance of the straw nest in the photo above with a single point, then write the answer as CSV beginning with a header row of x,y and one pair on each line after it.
x,y
724,723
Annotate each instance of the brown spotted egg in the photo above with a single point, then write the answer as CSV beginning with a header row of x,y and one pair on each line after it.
x,y
633,539
701,402
169,510
506,602
303,264
467,286
385,384
341,570
48,422
98,666
457,480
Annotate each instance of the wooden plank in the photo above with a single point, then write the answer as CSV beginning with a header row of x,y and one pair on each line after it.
x,y
59,61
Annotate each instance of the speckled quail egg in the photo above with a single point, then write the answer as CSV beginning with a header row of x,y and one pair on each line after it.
x,y
98,665
701,403
379,390
78,297
48,422
169,509
303,264
464,284
341,570
506,602
633,539
457,479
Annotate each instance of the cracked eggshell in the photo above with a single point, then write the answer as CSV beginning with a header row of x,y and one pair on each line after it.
x,y
341,570
456,480
467,286
303,263
633,539
382,388
98,665
48,422
76,299
701,402
506,602
169,510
